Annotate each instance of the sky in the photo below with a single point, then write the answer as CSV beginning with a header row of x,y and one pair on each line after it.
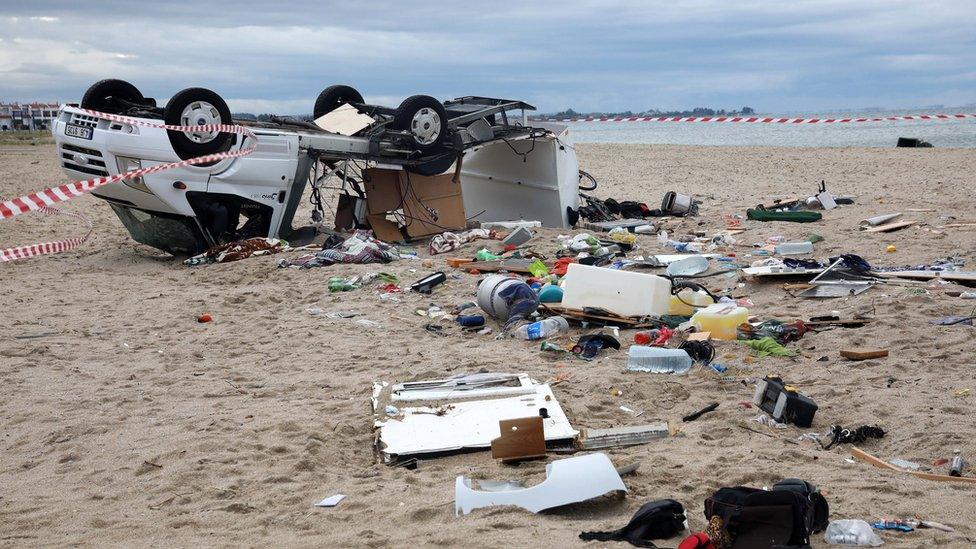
x,y
776,56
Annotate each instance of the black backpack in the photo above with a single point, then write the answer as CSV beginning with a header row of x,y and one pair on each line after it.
x,y
659,519
785,516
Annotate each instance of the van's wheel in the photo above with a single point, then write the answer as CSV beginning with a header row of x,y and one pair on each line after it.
x,y
334,97
441,163
103,95
197,107
425,119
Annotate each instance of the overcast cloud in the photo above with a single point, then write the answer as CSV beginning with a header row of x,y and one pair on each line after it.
x,y
776,56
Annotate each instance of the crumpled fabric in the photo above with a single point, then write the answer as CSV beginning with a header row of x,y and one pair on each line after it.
x,y
522,301
448,241
766,346
361,248
235,251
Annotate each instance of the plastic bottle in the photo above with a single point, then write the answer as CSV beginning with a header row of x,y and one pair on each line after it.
x,y
794,248
721,319
688,301
968,295
658,360
542,328
851,532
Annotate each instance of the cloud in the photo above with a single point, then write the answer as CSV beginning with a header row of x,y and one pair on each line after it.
x,y
585,54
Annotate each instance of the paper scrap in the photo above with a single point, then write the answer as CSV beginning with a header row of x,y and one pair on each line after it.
x,y
331,501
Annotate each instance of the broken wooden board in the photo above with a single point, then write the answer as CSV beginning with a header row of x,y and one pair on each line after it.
x,y
457,261
521,438
592,439
861,455
863,354
608,317
699,336
890,227
951,276
511,265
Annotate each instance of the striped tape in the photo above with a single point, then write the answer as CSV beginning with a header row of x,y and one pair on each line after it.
x,y
44,201
758,119
45,248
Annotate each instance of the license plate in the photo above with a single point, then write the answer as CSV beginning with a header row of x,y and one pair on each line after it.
x,y
78,131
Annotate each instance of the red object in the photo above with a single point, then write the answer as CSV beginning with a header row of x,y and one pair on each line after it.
x,y
940,461
663,336
559,269
205,317
699,540
474,272
510,247
642,338
390,288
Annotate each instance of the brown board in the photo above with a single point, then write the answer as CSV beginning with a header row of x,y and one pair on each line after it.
x,y
521,438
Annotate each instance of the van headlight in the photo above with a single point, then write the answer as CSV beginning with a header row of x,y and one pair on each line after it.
x,y
127,164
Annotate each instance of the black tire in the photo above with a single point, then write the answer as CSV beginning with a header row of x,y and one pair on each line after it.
x,y
441,163
102,95
404,116
219,114
334,97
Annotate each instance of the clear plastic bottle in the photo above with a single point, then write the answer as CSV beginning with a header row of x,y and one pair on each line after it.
x,y
542,329
658,360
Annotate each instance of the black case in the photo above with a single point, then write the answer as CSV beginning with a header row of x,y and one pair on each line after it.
x,y
783,403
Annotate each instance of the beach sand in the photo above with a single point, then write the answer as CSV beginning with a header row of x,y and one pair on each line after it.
x,y
125,422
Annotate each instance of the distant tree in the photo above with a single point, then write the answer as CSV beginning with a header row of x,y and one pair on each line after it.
x,y
747,111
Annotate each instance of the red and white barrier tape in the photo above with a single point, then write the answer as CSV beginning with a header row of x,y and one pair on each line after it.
x,y
47,198
44,248
759,119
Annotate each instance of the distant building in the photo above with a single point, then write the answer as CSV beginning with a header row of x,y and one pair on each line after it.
x,y
27,116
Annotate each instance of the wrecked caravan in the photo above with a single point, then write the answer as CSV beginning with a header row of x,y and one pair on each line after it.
x,y
509,170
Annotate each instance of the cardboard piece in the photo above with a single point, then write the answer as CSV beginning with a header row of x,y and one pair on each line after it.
x,y
345,120
699,336
424,205
521,438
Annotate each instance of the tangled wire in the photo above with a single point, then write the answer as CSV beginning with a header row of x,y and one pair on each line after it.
x,y
840,435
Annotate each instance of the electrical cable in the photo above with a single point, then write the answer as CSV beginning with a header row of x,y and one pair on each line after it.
x,y
699,351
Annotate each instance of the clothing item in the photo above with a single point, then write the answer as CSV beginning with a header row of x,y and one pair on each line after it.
x,y
361,247
448,241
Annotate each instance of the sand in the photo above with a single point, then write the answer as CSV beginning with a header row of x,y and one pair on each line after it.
x,y
125,422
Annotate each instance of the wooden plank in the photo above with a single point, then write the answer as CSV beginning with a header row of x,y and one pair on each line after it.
x,y
521,438
582,315
890,227
865,354
861,455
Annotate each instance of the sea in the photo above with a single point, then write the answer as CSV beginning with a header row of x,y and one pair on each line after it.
x,y
940,133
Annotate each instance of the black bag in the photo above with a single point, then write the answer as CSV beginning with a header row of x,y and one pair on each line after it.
x,y
818,514
659,519
785,516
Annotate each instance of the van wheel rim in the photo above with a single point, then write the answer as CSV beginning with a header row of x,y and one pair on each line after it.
x,y
200,113
426,126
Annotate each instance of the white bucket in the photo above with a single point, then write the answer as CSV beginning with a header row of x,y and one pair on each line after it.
x,y
488,298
